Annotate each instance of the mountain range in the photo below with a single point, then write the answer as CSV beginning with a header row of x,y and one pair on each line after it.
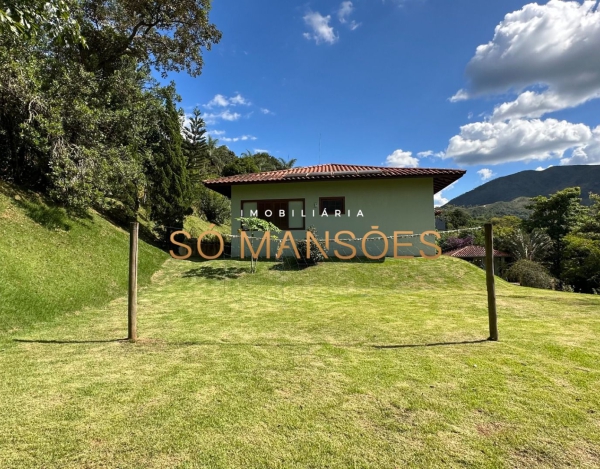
x,y
532,183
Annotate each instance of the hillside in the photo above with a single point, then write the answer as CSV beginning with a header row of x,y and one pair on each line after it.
x,y
498,209
531,184
53,264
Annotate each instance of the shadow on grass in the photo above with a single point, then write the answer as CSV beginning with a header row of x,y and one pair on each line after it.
x,y
52,341
215,273
42,210
434,344
263,344
312,344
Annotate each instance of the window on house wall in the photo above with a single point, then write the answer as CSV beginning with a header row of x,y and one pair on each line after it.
x,y
331,204
285,214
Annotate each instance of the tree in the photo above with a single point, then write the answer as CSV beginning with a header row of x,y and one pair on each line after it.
x,y
253,226
557,215
287,164
532,246
582,251
582,263
31,18
215,207
166,35
243,165
195,147
266,162
221,157
590,222
169,185
458,218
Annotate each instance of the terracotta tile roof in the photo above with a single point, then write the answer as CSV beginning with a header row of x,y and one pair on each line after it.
x,y
441,177
473,251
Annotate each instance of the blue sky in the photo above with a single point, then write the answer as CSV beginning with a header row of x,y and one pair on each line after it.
x,y
491,87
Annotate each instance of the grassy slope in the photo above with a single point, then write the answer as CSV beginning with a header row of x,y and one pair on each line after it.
x,y
196,226
51,264
340,365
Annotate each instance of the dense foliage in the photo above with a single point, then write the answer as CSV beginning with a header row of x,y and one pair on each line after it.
x,y
316,249
556,246
530,274
83,121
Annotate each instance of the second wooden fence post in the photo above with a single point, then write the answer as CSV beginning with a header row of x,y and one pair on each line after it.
x,y
132,297
489,277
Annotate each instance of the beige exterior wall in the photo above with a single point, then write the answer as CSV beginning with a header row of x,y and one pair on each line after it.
x,y
389,204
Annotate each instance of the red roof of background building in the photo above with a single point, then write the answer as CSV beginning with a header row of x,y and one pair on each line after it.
x,y
473,251
324,172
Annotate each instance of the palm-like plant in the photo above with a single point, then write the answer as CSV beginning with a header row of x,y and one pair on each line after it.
x,y
530,246
287,164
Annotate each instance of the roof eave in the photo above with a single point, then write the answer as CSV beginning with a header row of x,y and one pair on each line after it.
x,y
440,182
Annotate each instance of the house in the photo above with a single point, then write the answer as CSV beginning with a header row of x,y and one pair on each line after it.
x,y
476,255
358,200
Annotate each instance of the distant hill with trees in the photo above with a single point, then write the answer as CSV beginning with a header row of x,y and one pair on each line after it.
x,y
515,208
530,184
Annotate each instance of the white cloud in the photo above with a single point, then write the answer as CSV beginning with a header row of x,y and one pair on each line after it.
x,y
260,150
552,48
541,168
439,199
343,14
220,100
517,140
216,133
485,174
264,110
460,95
402,159
238,139
344,11
230,116
227,115
586,154
425,154
534,104
238,99
321,31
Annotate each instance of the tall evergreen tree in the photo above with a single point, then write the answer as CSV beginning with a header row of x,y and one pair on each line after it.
x,y
169,183
195,147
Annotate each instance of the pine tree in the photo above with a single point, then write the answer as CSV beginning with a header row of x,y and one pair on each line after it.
x,y
169,182
195,147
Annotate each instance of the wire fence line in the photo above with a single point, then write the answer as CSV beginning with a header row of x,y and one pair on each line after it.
x,y
343,253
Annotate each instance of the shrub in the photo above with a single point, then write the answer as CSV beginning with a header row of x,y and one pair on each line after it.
x,y
530,274
450,243
215,207
315,253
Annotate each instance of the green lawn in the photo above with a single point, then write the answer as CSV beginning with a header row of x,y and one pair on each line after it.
x,y
341,365
51,264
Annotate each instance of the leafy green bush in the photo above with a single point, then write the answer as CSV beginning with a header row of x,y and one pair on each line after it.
x,y
315,253
215,207
530,274
582,263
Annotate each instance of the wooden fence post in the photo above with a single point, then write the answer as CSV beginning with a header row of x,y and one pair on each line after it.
x,y
132,297
489,277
